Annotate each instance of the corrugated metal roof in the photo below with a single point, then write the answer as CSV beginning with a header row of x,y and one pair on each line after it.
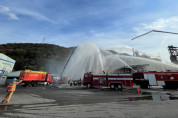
x,y
12,74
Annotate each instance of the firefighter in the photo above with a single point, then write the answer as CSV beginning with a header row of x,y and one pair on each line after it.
x,y
10,90
70,82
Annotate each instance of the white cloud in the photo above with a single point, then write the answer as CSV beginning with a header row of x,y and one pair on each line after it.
x,y
169,24
32,14
13,16
5,10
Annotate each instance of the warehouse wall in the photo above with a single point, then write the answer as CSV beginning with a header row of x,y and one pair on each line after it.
x,y
6,64
2,79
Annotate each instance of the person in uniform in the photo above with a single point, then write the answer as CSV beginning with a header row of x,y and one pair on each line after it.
x,y
10,90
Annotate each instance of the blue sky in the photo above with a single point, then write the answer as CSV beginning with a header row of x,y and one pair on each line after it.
x,y
108,23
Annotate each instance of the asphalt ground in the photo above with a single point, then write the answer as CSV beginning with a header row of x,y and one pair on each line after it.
x,y
79,102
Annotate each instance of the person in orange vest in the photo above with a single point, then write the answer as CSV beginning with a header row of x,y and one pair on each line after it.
x,y
10,90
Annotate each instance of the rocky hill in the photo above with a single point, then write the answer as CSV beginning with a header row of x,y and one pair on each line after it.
x,y
35,56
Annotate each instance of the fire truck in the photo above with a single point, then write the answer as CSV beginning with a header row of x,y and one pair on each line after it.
x,y
114,81
165,79
32,78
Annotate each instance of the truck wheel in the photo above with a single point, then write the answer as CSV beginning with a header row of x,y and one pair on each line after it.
x,y
88,85
119,86
36,83
25,84
28,84
165,87
112,86
144,86
32,83
45,83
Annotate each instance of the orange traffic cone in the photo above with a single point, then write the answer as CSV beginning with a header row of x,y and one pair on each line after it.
x,y
138,90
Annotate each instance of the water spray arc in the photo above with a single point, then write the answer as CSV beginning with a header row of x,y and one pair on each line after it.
x,y
67,61
91,58
100,58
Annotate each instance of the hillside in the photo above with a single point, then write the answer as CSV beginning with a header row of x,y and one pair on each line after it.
x,y
35,56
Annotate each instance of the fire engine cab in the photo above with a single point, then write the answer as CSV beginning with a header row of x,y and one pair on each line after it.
x,y
117,81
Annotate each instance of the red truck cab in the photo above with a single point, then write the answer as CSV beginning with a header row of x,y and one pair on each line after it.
x,y
87,80
49,78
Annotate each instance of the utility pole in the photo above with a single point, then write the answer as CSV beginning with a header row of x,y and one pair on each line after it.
x,y
43,40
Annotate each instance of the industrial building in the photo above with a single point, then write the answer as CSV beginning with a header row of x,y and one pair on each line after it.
x,y
6,63
6,66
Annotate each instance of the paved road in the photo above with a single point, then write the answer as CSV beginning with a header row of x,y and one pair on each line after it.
x,y
78,102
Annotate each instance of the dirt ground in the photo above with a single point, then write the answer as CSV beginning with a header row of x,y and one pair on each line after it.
x,y
79,102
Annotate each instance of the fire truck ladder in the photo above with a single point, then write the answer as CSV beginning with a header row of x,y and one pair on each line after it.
x,y
173,51
73,50
155,31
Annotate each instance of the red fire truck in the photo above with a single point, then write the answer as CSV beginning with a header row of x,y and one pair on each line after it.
x,y
165,79
35,77
117,81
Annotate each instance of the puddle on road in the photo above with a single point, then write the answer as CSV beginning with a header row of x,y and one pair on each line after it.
x,y
154,97
8,107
